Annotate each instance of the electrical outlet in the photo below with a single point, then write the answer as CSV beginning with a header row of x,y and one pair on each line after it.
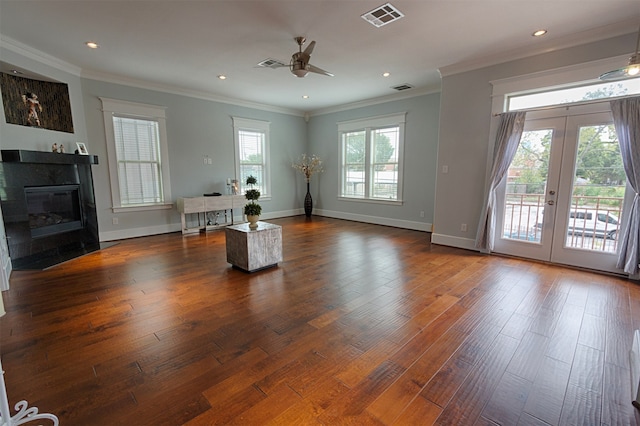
x,y
463,227
422,213
114,220
209,161
445,169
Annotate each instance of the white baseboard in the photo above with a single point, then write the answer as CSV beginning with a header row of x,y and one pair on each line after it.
x,y
376,220
123,234
175,227
448,240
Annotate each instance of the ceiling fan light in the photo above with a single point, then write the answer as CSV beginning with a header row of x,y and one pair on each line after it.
x,y
299,72
634,65
630,71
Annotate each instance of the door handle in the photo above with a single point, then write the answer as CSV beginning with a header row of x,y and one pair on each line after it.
x,y
551,202
552,192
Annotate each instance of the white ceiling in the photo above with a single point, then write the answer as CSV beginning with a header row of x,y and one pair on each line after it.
x,y
182,45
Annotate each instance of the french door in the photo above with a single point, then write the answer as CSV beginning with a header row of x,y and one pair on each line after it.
x,y
564,195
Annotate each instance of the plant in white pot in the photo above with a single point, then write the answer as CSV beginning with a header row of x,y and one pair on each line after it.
x,y
252,209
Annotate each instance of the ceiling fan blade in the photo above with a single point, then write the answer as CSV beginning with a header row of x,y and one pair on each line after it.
x,y
309,48
313,68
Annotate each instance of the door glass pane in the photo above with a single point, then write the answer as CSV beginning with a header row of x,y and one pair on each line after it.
x,y
525,191
599,183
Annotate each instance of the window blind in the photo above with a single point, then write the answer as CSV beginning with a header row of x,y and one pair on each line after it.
x,y
138,156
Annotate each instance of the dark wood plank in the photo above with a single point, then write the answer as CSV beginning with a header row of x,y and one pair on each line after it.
x,y
547,395
360,324
468,402
508,400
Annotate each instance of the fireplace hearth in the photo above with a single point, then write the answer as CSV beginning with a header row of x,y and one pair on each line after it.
x,y
48,207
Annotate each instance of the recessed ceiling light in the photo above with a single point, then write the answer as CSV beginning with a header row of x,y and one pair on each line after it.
x,y
16,72
386,74
92,44
222,77
305,96
539,33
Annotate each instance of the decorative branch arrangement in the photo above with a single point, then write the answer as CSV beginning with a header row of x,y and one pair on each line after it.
x,y
308,165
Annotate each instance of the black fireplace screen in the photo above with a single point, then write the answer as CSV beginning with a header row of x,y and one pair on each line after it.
x,y
53,209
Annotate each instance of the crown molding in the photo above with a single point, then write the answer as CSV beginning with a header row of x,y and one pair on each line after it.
x,y
427,90
174,90
46,59
37,55
556,78
584,37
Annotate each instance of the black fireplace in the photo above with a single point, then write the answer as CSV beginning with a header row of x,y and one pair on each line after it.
x,y
53,209
48,207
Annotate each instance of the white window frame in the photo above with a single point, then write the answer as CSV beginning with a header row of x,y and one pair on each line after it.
x,y
368,125
258,126
556,78
114,107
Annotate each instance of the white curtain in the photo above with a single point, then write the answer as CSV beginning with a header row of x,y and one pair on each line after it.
x,y
507,141
626,117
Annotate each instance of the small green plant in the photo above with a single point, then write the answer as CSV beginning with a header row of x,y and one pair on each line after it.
x,y
252,208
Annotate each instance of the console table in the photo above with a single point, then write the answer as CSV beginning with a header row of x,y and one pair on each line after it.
x,y
254,249
203,206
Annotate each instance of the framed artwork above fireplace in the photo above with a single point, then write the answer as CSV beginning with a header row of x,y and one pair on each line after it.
x,y
36,103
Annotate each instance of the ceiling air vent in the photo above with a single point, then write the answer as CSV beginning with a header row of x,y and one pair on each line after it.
x,y
271,63
382,15
402,87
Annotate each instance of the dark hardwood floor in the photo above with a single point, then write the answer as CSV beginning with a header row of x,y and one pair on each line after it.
x,y
360,324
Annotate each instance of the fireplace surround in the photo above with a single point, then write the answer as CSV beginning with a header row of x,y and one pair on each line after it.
x,y
48,207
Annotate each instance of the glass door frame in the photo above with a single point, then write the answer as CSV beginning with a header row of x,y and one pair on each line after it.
x,y
552,245
533,249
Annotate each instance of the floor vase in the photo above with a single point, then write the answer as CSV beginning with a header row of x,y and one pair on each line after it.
x,y
308,203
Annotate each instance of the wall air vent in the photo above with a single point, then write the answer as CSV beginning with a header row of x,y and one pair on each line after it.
x,y
382,15
402,87
271,63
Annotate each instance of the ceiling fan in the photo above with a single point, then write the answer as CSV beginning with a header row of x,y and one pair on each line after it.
x,y
299,64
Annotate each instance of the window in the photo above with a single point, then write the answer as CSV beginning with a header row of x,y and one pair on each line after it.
x,y
137,151
252,153
371,158
589,92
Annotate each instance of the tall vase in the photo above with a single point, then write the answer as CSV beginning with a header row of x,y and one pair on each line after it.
x,y
308,203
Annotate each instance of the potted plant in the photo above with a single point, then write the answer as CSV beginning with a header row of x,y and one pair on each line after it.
x,y
252,209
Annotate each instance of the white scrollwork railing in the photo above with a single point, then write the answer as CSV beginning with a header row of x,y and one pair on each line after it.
x,y
25,414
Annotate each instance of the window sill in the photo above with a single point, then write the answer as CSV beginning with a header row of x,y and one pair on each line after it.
x,y
371,200
142,208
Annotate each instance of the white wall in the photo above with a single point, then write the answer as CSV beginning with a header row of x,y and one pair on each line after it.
x,y
451,128
421,142
195,128
464,144
199,127
14,136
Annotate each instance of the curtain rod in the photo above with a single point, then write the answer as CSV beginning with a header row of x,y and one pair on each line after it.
x,y
568,105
